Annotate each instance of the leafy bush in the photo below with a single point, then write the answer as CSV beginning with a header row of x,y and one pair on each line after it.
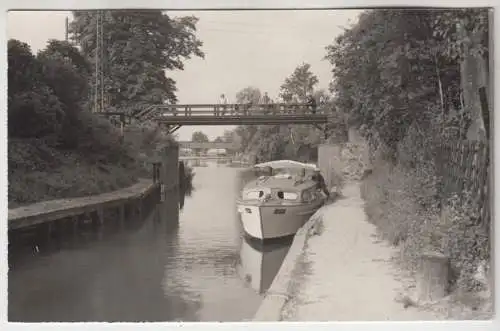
x,y
403,206
35,113
353,160
466,240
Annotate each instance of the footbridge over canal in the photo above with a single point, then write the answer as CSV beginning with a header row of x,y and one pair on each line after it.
x,y
173,117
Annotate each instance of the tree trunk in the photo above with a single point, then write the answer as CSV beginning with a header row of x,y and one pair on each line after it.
x,y
440,86
470,70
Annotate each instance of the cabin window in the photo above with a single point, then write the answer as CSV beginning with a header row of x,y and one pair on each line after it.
x,y
254,195
290,196
287,195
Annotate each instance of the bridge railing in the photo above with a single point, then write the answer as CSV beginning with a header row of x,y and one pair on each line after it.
x,y
236,109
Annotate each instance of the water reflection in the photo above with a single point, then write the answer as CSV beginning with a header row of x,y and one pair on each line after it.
x,y
107,275
209,241
181,200
260,262
171,265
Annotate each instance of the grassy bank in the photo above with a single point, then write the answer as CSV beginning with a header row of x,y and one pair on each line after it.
x,y
39,170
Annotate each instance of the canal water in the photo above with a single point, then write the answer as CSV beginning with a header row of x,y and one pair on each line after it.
x,y
200,268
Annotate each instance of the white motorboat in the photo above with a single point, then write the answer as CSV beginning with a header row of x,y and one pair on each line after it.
x,y
278,204
260,262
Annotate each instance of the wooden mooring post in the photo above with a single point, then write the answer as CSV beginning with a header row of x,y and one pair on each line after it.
x,y
139,203
156,171
99,217
75,224
169,181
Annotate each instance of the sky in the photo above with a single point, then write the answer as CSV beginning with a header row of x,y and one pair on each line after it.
x,y
242,48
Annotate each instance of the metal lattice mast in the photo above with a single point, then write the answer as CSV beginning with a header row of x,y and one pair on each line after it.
x,y
96,59
99,57
66,29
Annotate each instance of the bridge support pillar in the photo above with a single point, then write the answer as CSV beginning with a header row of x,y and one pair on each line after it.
x,y
169,178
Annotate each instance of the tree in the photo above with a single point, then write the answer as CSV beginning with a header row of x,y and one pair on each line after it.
x,y
243,134
24,72
299,85
41,91
391,72
228,136
279,141
296,88
66,72
247,95
199,137
138,47
62,63
69,54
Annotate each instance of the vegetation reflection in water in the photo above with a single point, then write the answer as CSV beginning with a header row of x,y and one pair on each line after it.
x,y
173,265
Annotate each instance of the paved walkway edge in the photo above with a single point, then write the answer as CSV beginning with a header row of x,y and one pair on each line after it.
x,y
49,210
278,293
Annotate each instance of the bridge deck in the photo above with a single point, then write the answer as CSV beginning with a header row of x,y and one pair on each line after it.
x,y
243,120
175,116
214,114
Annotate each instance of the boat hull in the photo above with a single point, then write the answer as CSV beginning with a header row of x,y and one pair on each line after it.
x,y
275,221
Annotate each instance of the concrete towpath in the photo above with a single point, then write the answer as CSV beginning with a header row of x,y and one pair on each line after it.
x,y
337,270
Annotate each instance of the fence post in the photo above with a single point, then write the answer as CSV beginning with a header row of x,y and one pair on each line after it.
x,y
182,176
156,171
433,276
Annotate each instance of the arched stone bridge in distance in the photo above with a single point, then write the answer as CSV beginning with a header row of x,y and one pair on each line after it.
x,y
208,145
199,150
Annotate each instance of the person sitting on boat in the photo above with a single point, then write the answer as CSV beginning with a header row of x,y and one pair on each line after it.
x,y
320,182
302,176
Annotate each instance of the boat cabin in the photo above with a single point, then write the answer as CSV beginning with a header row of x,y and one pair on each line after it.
x,y
283,184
